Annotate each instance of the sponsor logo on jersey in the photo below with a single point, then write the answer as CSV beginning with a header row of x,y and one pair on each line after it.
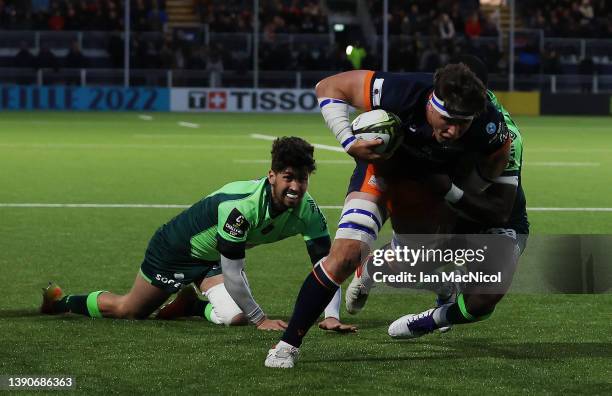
x,y
503,133
236,224
491,128
315,209
377,182
377,91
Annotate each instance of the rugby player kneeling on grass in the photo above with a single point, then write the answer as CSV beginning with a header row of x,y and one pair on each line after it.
x,y
206,245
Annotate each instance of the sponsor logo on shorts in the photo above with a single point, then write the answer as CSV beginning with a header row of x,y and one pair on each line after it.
x,y
168,281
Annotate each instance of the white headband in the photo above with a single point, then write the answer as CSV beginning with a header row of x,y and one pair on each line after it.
x,y
438,104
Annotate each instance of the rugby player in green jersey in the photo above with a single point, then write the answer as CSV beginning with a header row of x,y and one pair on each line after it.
x,y
206,244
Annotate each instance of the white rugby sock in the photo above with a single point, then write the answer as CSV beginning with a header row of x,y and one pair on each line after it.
x,y
333,308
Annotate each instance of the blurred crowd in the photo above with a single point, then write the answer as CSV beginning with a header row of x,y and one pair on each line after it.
x,y
276,16
101,15
432,33
445,19
424,34
569,18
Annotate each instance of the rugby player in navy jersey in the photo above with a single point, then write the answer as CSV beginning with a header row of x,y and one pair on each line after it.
x,y
514,229
444,122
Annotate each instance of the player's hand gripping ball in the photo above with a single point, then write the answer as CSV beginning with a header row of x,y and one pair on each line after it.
x,y
379,124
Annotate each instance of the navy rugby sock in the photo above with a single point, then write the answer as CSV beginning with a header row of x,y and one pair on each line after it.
x,y
316,292
198,308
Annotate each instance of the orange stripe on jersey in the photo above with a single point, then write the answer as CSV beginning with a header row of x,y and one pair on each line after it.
x,y
369,182
367,91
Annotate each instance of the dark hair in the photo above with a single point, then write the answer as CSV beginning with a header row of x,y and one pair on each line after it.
x,y
460,89
294,152
475,64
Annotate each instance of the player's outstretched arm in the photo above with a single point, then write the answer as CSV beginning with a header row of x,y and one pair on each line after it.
x,y
237,286
335,94
487,196
492,206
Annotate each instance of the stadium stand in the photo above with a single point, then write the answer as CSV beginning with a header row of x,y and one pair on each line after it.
x,y
560,37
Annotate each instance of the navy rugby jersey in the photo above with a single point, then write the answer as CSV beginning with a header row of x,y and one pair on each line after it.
x,y
407,95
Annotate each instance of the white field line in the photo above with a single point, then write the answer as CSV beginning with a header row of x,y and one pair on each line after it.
x,y
339,149
145,117
188,124
98,205
316,145
552,164
569,209
90,205
185,135
562,164
97,146
569,150
180,206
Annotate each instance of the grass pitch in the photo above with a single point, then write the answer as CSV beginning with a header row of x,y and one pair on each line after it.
x,y
539,343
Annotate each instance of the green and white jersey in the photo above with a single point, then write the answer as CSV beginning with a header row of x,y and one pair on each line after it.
x,y
518,219
236,217
516,150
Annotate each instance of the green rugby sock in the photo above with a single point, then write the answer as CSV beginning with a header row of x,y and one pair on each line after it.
x,y
457,313
208,308
82,304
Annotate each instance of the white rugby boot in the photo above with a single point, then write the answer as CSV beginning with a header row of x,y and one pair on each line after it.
x,y
413,325
357,292
283,355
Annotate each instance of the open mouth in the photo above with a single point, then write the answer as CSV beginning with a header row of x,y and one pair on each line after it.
x,y
292,195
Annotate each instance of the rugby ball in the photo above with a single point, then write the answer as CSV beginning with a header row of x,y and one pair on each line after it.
x,y
379,124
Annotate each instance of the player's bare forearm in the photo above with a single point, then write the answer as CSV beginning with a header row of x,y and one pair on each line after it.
x,y
347,86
